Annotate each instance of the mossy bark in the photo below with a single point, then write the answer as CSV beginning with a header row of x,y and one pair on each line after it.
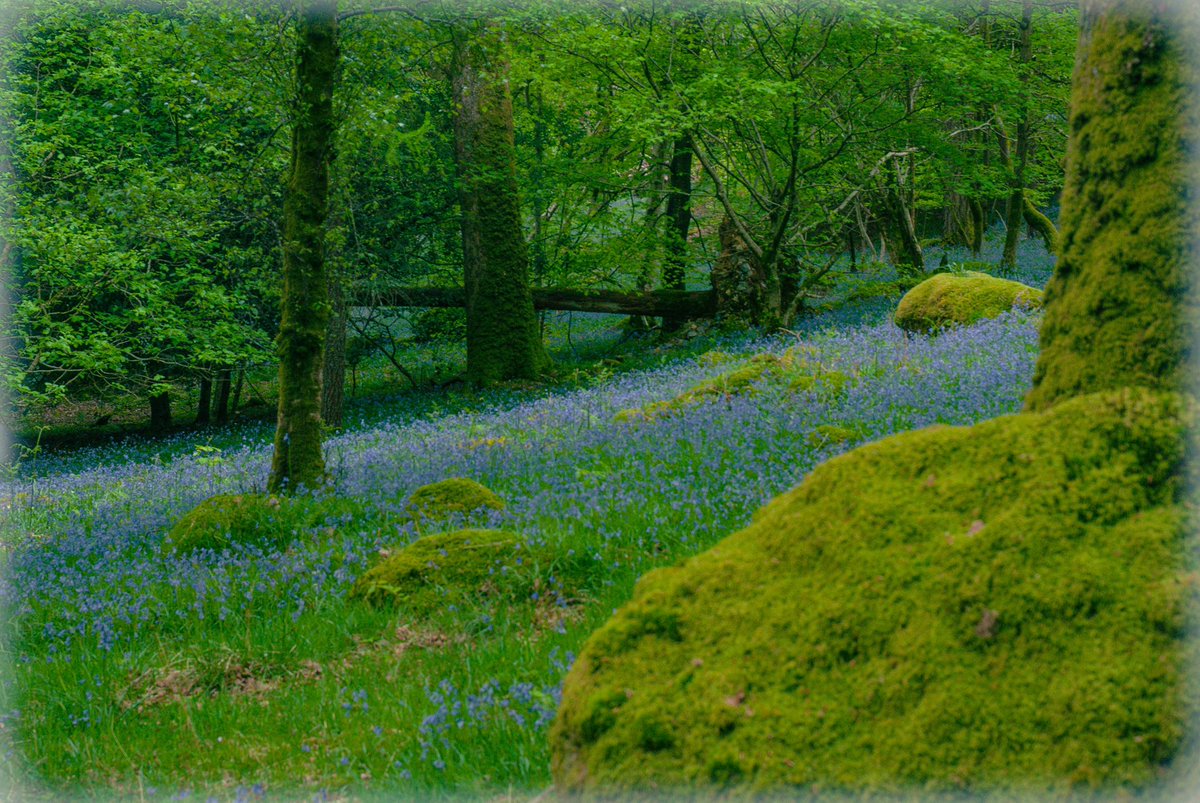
x,y
1121,304
1041,225
333,376
503,338
978,226
298,459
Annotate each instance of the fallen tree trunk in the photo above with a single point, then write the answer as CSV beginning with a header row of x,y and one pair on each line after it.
x,y
657,303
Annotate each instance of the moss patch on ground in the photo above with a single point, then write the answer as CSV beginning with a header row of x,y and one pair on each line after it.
x,y
960,299
222,521
790,368
477,568
994,607
439,500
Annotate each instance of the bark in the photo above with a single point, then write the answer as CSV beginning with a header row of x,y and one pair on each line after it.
x,y
333,380
237,391
657,303
1041,225
221,408
160,411
503,337
298,459
679,218
1120,307
978,226
205,403
1015,213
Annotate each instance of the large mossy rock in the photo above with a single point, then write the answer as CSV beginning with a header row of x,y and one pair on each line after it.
x,y
222,521
960,299
440,500
955,608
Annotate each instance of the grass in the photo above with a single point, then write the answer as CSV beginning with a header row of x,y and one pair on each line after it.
x,y
136,672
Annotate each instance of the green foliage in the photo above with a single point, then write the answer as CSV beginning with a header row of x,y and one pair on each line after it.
x,y
141,242
447,324
446,498
998,606
960,299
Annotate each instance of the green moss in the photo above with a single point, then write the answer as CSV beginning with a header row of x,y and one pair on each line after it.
x,y
222,521
474,568
999,606
953,299
790,368
444,569
440,500
832,434
1121,306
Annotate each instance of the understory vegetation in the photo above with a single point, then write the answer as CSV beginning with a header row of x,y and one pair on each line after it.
x,y
273,675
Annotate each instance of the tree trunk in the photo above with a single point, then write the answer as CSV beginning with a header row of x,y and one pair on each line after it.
x,y
205,402
298,459
1041,225
679,219
222,405
503,339
1121,308
237,391
160,411
333,381
978,226
1015,213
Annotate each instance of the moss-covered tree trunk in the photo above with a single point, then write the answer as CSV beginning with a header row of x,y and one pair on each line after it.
x,y
679,218
503,338
1016,163
1121,306
298,459
333,377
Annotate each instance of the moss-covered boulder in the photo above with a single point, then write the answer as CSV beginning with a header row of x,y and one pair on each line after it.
x,y
955,608
221,521
961,299
449,568
440,500
791,368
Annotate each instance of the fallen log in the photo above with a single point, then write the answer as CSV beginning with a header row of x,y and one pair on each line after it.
x,y
657,303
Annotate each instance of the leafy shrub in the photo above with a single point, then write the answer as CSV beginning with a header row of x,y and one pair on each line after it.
x,y
440,325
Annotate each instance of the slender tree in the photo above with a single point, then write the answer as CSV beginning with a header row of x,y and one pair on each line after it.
x,y
298,459
1121,306
503,337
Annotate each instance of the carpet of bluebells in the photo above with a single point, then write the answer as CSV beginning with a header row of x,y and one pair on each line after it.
x,y
91,600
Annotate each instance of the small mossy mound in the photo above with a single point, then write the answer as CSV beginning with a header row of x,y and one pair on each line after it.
x,y
798,373
221,521
991,607
961,299
465,566
439,500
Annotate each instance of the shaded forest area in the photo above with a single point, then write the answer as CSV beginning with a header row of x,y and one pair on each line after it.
x,y
669,160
